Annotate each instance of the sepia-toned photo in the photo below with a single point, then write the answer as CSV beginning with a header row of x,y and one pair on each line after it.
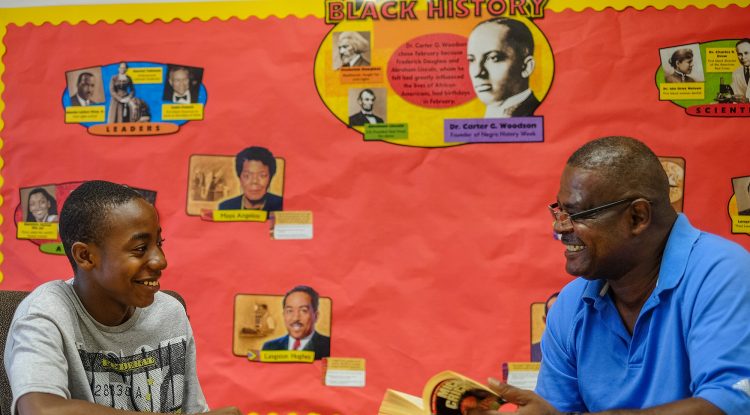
x,y
367,106
351,49
85,86
124,105
682,63
500,52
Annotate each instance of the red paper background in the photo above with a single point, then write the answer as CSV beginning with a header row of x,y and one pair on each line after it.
x,y
431,256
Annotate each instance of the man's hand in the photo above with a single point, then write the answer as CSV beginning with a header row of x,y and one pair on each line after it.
x,y
528,402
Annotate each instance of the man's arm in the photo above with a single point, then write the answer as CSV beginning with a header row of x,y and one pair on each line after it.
x,y
38,403
530,403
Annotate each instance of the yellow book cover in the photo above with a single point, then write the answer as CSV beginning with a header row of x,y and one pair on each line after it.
x,y
447,393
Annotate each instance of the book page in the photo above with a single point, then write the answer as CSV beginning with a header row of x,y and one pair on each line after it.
x,y
400,403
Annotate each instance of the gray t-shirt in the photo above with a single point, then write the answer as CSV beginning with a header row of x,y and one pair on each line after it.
x,y
146,364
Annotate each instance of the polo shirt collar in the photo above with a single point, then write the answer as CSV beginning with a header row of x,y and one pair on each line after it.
x,y
675,258
595,292
673,264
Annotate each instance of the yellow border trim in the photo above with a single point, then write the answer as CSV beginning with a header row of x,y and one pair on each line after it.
x,y
579,5
149,12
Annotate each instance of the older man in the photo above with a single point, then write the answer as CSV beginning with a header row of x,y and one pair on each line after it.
x,y
741,75
180,89
501,59
657,321
351,47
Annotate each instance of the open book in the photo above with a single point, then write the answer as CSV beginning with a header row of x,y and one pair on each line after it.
x,y
446,393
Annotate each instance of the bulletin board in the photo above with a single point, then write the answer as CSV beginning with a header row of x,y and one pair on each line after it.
x,y
421,221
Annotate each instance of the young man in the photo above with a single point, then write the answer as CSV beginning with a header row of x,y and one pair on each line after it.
x,y
500,52
105,342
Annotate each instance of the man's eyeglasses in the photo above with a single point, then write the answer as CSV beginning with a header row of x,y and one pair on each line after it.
x,y
566,219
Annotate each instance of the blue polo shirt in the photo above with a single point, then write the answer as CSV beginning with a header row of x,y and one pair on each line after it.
x,y
691,339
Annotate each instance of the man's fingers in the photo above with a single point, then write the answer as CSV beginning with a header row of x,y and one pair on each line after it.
x,y
509,393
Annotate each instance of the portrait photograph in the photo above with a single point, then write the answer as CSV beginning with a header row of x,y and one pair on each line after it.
x,y
39,204
351,49
501,62
85,86
128,103
259,319
182,84
367,106
213,179
682,63
741,187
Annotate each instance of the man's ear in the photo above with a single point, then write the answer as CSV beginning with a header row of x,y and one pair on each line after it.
x,y
528,66
640,214
83,255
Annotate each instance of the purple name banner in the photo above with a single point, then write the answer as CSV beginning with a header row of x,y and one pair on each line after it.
x,y
494,130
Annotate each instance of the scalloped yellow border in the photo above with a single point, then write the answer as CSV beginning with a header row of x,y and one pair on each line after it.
x,y
598,5
149,12
279,8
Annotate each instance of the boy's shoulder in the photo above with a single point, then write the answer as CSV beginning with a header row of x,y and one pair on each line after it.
x,y
49,297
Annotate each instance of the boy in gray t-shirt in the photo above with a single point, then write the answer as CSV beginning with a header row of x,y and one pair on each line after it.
x,y
106,338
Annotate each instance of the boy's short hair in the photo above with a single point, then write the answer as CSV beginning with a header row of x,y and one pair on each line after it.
x,y
85,213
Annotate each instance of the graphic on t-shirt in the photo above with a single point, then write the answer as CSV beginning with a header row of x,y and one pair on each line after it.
x,y
146,381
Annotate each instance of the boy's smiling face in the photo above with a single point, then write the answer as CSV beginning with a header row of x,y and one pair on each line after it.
x,y
126,266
